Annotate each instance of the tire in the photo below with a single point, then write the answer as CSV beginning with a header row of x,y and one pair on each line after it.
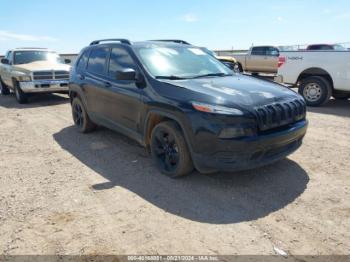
x,y
21,97
81,118
341,96
4,90
169,150
238,68
316,90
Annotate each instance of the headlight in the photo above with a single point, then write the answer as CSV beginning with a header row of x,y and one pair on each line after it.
x,y
24,78
215,109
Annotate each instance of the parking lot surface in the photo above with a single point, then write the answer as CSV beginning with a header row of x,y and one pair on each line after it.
x,y
62,192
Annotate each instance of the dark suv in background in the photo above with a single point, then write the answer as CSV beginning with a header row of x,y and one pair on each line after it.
x,y
184,105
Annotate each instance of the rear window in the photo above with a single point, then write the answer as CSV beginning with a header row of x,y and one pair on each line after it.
x,y
97,60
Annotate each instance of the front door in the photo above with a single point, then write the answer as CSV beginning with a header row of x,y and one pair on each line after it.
x,y
125,104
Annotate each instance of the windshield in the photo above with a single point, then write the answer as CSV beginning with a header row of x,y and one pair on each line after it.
x,y
180,62
26,57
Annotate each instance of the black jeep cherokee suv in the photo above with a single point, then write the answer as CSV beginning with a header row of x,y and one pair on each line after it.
x,y
188,108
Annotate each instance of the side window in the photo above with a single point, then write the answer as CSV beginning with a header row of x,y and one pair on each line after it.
x,y
97,60
271,51
254,51
259,51
326,47
81,65
119,59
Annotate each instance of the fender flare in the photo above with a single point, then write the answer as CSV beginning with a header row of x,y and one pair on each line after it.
x,y
80,93
171,116
316,71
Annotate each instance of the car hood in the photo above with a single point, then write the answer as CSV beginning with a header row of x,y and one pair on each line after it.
x,y
43,66
239,89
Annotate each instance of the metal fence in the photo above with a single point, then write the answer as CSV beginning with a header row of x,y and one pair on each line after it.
x,y
231,52
304,46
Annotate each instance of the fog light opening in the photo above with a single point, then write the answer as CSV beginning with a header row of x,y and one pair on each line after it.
x,y
232,132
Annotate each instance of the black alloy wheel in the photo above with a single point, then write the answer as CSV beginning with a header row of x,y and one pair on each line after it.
x,y
169,150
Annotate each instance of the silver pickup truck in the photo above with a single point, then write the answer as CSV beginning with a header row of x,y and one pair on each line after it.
x,y
259,59
33,70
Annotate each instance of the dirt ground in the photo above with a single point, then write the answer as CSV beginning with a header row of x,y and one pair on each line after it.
x,y
62,192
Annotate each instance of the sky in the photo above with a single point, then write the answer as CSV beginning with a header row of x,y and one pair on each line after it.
x,y
69,25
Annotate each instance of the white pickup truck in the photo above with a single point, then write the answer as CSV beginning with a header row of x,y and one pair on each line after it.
x,y
318,74
33,70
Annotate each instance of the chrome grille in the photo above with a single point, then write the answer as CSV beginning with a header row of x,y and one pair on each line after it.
x,y
43,75
61,75
51,75
280,114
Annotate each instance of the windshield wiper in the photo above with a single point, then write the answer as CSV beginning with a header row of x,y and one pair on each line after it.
x,y
172,77
213,74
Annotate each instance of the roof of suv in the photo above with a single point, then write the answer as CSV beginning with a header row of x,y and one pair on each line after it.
x,y
159,43
141,43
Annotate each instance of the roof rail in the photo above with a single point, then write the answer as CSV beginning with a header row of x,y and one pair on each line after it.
x,y
172,40
121,40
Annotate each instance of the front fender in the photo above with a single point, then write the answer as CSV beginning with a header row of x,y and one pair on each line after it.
x,y
174,114
16,72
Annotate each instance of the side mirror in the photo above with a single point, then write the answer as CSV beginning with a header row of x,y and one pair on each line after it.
x,y
67,61
5,61
126,74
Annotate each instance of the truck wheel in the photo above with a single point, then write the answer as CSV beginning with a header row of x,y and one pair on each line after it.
x,y
80,117
21,97
4,89
316,90
340,96
237,68
169,150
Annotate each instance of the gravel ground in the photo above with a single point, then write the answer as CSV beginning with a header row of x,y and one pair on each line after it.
x,y
62,192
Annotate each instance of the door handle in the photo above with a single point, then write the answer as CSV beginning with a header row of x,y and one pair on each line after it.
x,y
108,84
81,77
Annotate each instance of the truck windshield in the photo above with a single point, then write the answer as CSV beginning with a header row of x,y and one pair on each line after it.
x,y
181,62
26,57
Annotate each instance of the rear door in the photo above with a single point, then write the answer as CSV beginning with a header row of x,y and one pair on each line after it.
x,y
125,103
96,87
271,61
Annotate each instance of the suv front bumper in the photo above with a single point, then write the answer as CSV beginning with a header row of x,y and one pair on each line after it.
x,y
251,152
47,86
